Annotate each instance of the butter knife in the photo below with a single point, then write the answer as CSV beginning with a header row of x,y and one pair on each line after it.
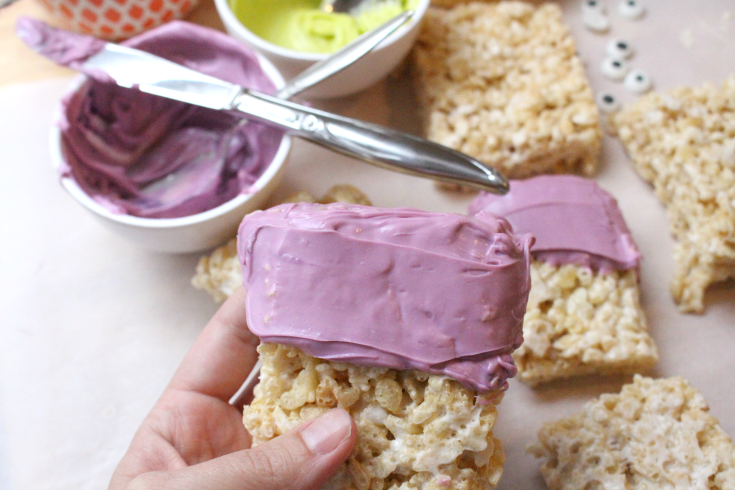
x,y
373,143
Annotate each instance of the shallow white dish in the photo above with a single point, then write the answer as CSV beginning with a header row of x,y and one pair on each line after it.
x,y
189,233
364,73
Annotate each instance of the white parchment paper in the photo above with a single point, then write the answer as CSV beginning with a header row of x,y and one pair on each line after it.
x,y
92,328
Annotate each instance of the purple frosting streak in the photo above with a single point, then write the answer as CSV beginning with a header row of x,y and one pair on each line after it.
x,y
152,157
574,221
398,288
63,47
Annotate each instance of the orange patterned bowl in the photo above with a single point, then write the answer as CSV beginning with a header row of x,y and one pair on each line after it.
x,y
117,19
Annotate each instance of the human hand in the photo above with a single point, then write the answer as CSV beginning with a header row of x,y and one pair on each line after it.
x,y
194,439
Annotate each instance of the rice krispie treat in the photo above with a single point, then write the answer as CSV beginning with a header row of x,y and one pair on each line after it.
x,y
415,430
683,142
219,273
404,318
584,314
654,434
502,83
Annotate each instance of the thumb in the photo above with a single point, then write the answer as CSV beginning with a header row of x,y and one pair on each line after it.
x,y
301,459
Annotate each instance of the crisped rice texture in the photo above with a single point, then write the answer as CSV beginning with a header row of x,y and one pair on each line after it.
x,y
655,434
683,142
452,3
502,83
219,272
414,430
582,322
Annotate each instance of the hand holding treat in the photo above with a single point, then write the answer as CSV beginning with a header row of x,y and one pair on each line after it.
x,y
410,317
194,439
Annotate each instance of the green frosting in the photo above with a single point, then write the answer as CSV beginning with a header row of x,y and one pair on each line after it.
x,y
300,24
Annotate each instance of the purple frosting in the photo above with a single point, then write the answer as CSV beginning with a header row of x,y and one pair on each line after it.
x,y
62,47
398,288
574,221
152,157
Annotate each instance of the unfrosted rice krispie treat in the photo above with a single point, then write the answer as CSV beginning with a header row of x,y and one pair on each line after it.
x,y
501,82
219,273
683,142
655,434
404,318
584,314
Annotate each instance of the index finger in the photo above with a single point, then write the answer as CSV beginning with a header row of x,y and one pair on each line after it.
x,y
222,356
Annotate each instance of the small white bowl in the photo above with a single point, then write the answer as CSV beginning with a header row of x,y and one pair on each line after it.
x,y
367,71
189,233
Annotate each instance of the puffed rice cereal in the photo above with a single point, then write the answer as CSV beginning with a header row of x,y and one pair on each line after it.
x,y
655,434
501,82
580,321
414,430
683,142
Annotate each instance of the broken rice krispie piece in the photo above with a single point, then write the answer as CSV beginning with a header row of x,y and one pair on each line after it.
x,y
683,142
654,434
502,83
219,273
580,321
415,430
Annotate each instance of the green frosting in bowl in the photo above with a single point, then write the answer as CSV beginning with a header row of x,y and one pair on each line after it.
x,y
301,26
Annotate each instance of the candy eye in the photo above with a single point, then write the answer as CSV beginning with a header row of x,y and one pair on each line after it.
x,y
631,9
614,69
593,6
618,49
638,82
596,20
607,103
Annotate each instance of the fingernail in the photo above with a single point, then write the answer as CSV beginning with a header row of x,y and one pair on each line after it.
x,y
324,434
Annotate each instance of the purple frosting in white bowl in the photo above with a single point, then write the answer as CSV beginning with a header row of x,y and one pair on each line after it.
x,y
170,176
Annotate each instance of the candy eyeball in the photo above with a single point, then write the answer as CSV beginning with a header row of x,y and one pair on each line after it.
x,y
593,6
596,21
631,9
614,69
607,103
638,82
618,49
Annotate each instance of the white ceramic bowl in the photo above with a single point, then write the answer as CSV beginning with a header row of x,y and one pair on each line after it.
x,y
189,233
364,73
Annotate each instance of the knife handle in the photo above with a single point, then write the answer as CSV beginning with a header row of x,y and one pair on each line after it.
x,y
373,143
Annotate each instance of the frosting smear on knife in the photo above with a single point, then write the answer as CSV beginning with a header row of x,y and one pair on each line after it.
x,y
397,288
573,220
63,47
